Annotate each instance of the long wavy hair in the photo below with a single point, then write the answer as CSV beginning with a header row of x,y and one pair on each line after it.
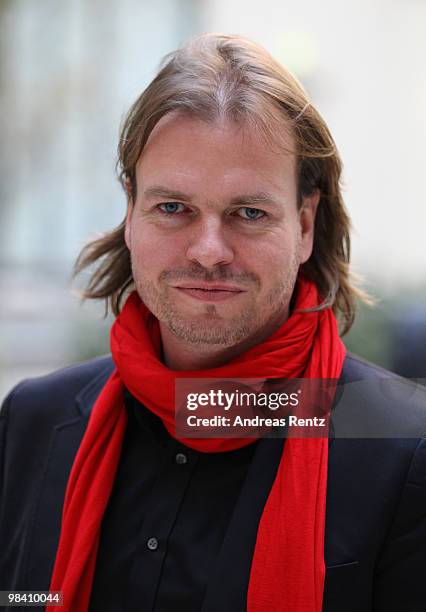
x,y
215,77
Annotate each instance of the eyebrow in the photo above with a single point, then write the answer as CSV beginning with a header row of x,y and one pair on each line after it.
x,y
261,197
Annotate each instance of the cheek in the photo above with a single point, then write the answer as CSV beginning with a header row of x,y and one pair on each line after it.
x,y
273,256
153,252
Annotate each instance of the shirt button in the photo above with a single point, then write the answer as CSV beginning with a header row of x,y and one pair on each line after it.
x,y
152,543
181,458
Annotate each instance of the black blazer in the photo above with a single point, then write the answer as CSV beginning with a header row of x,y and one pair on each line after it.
x,y
375,539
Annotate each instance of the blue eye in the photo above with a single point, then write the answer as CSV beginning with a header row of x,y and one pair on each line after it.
x,y
170,207
252,213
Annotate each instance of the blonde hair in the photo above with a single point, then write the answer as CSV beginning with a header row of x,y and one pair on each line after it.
x,y
214,77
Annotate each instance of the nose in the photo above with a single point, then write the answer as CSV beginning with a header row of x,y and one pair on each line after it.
x,y
208,245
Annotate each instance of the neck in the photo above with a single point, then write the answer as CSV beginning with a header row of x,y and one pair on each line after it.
x,y
180,355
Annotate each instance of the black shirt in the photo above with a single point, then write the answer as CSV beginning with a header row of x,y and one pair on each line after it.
x,y
166,520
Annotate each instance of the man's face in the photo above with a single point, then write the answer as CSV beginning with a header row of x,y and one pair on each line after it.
x,y
215,234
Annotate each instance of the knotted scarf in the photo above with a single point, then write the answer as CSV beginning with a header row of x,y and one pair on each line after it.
x,y
287,572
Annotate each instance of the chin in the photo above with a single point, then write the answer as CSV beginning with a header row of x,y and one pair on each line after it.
x,y
213,330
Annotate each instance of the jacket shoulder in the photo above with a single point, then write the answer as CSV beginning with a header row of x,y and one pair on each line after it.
x,y
356,367
56,395
41,425
377,403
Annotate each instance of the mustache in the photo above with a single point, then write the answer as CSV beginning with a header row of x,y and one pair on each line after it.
x,y
198,273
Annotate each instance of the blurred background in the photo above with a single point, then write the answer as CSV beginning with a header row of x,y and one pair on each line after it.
x,y
69,71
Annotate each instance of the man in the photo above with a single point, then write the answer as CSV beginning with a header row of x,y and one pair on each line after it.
x,y
232,261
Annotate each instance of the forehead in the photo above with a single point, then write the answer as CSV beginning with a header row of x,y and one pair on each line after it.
x,y
186,150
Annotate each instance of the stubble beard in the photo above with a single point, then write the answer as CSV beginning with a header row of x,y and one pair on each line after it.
x,y
209,328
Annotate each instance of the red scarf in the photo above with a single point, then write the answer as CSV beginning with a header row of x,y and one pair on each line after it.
x,y
288,570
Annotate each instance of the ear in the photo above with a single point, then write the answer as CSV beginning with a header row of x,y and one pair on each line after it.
x,y
307,213
128,221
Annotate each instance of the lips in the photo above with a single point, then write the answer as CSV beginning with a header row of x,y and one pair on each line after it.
x,y
209,293
209,287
